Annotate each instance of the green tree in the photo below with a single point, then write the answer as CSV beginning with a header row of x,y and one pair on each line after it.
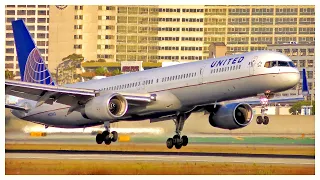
x,y
101,71
74,57
9,74
101,60
116,72
297,107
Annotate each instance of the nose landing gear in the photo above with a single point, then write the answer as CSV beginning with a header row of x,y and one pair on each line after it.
x,y
263,119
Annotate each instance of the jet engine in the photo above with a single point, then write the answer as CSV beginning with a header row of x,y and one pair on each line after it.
x,y
106,107
231,116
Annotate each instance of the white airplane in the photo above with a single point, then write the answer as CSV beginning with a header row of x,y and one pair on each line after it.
x,y
160,94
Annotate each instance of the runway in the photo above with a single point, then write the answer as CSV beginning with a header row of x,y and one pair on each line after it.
x,y
162,157
23,138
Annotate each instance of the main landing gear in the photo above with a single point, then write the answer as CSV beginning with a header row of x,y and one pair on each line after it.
x,y
106,136
177,140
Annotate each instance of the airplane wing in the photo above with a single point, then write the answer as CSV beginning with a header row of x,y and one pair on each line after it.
x,y
256,101
48,94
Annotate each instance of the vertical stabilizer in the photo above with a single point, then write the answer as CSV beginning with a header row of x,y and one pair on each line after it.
x,y
305,88
32,67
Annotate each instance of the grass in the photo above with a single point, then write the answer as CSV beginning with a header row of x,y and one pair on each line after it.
x,y
250,149
94,167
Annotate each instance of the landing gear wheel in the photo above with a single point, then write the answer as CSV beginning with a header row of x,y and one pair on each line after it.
x,y
259,120
105,133
265,120
99,138
169,143
107,140
114,136
176,139
178,146
184,140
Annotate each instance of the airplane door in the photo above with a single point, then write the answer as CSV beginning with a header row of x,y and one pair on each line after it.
x,y
252,65
201,74
142,84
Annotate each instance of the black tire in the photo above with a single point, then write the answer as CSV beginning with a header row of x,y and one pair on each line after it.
x,y
107,140
176,139
265,120
105,133
259,120
184,140
169,143
114,136
99,138
178,146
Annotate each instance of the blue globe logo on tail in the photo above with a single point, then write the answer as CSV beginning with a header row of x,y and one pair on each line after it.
x,y
36,70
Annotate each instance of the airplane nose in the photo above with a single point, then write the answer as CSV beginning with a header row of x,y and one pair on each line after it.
x,y
293,78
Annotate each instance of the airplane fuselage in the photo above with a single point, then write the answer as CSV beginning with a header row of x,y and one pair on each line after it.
x,y
180,88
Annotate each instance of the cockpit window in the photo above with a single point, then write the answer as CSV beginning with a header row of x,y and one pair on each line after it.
x,y
274,63
283,63
291,64
270,64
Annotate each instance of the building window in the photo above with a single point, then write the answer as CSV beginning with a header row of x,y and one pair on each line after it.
x,y
9,20
303,52
77,46
42,12
9,58
109,37
302,63
78,7
311,52
78,17
110,18
21,12
9,50
310,63
77,36
309,74
109,47
10,12
77,26
31,20
31,12
9,35
41,20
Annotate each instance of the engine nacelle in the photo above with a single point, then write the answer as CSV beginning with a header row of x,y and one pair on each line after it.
x,y
231,116
106,107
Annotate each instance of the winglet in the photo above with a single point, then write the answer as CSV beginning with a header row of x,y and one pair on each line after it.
x,y
32,67
305,89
